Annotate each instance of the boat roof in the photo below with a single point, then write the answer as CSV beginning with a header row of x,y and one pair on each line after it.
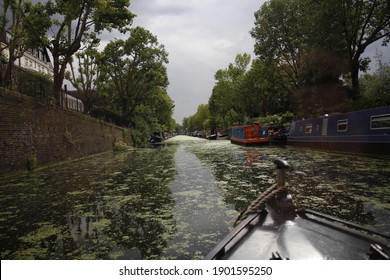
x,y
380,110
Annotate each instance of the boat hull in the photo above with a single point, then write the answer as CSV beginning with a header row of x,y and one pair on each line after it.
x,y
360,132
352,146
250,142
277,140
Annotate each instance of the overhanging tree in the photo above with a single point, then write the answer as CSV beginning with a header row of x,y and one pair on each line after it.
x,y
68,23
135,68
12,28
362,22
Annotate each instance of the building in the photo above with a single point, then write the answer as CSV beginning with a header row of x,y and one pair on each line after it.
x,y
37,60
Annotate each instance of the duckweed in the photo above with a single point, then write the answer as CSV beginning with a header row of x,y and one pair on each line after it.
x,y
174,202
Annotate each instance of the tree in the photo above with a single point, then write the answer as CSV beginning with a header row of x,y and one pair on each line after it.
x,y
71,22
87,78
199,121
280,34
264,90
224,100
135,68
375,87
12,27
162,109
362,22
316,42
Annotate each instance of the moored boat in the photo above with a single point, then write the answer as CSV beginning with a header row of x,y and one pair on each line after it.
x,y
156,139
361,132
249,135
277,135
272,228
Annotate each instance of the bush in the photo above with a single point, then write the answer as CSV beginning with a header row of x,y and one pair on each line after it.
x,y
35,84
120,146
32,162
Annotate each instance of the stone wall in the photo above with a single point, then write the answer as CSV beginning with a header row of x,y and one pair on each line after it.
x,y
51,134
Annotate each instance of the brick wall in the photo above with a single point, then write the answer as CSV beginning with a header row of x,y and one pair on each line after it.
x,y
51,134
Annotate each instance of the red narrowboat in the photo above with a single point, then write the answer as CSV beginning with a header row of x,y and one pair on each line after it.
x,y
249,135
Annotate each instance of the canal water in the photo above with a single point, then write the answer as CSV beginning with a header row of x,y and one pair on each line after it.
x,y
176,201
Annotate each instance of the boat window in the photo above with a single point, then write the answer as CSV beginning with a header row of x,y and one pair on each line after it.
x,y
380,122
308,128
342,125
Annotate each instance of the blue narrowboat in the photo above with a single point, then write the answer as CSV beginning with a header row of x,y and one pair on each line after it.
x,y
249,135
362,132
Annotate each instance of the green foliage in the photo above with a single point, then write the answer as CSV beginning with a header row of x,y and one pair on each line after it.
x,y
135,68
224,102
90,17
144,124
200,120
135,75
32,162
88,80
361,23
120,146
375,87
35,84
286,119
242,94
313,43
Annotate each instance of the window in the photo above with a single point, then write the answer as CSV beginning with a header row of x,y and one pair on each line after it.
x,y
308,128
342,125
380,122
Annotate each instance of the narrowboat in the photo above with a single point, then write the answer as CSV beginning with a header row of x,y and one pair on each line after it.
x,y
249,135
156,139
361,132
277,135
272,228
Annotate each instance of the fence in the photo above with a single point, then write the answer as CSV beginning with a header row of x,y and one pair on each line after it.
x,y
40,87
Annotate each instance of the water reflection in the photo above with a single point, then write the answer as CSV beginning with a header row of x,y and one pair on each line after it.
x,y
176,202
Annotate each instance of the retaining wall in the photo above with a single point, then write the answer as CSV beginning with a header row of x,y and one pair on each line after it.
x,y
49,133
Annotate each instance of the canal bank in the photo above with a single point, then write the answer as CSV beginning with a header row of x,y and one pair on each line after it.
x,y
33,134
176,202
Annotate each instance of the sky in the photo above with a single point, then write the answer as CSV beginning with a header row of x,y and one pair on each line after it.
x,y
201,37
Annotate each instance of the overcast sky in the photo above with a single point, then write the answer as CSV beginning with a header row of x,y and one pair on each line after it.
x,y
201,36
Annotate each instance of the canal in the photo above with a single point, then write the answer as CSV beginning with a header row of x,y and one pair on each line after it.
x,y
174,202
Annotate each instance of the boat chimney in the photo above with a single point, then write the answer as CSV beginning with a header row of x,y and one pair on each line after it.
x,y
281,167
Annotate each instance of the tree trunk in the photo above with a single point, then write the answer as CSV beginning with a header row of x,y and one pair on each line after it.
x,y
355,79
9,69
59,75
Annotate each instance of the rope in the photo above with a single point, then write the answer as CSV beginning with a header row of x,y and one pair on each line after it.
x,y
260,202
